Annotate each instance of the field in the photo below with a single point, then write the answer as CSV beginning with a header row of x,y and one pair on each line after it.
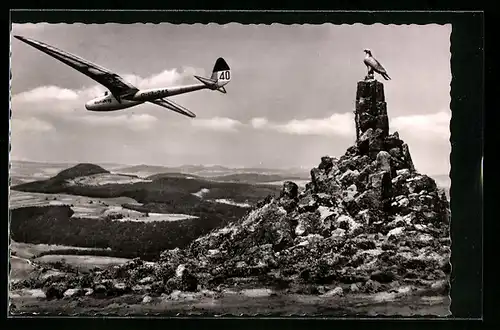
x,y
23,255
82,262
91,208
239,302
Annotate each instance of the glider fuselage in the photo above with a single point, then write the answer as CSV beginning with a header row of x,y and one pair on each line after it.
x,y
109,102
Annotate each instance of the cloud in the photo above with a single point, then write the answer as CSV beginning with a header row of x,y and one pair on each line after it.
x,y
55,97
135,122
47,93
162,79
221,124
30,125
429,126
259,122
337,124
54,103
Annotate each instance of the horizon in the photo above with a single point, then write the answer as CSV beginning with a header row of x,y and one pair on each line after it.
x,y
266,109
186,165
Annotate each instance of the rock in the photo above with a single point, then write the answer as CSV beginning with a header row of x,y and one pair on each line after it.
x,y
324,183
407,158
147,300
288,196
326,164
187,280
146,280
307,223
354,288
338,291
371,142
289,190
347,223
368,200
349,177
324,199
381,186
392,141
364,244
383,276
55,291
338,233
441,287
371,286
307,203
120,288
384,161
396,232
365,217
72,293
173,257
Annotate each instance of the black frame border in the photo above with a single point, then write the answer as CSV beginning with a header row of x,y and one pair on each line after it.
x,y
467,130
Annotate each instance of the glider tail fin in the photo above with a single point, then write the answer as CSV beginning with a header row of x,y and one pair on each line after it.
x,y
221,76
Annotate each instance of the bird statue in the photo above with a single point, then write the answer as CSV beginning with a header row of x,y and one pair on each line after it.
x,y
373,65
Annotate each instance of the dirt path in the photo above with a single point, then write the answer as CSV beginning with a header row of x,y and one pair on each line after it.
x,y
237,304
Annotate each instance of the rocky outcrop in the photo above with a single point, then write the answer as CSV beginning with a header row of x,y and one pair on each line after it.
x,y
366,221
371,108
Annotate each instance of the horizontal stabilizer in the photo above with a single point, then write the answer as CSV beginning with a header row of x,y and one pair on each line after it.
x,y
173,106
210,83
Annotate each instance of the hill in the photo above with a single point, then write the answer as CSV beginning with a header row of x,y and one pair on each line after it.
x,y
170,193
169,189
79,170
367,222
254,178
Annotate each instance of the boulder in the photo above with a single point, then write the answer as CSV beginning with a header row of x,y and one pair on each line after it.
x,y
288,197
371,142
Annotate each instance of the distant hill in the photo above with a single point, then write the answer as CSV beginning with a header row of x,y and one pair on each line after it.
x,y
83,169
209,171
153,169
172,175
167,192
254,178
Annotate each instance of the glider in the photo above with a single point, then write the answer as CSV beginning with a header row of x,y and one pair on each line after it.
x,y
124,95
373,65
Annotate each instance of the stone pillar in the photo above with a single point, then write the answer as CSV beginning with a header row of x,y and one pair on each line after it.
x,y
371,108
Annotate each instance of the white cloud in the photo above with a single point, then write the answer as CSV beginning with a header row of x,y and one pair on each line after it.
x,y
17,27
336,124
136,122
259,122
31,124
162,79
50,103
53,97
221,124
429,126
47,93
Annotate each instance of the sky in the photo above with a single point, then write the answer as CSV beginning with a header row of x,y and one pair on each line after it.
x,y
290,101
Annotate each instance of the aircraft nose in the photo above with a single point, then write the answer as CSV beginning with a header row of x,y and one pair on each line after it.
x,y
88,105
